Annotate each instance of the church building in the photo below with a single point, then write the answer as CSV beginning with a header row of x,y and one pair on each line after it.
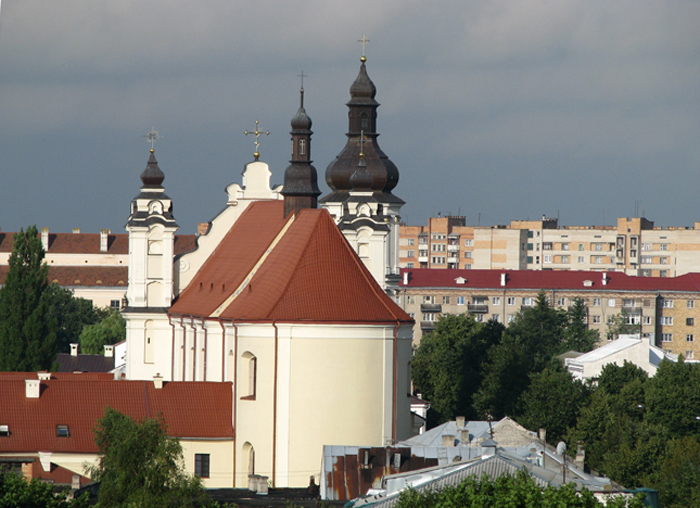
x,y
275,299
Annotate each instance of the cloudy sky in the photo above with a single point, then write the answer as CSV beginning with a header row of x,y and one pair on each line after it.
x,y
498,110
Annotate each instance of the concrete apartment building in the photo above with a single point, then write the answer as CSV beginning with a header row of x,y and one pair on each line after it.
x,y
634,246
667,310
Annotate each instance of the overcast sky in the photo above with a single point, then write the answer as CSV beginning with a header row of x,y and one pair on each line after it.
x,y
498,110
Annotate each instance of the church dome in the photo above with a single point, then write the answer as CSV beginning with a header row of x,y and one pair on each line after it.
x,y
152,176
301,121
363,87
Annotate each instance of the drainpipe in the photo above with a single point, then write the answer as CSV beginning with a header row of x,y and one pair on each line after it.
x,y
274,414
394,401
184,346
172,348
204,360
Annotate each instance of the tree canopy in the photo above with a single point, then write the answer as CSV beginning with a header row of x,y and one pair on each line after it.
x,y
141,465
110,330
17,492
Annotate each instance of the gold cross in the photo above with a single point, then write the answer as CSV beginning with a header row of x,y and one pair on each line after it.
x,y
364,42
302,76
257,132
362,143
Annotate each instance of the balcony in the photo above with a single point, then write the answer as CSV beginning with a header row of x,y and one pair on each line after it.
x,y
478,308
427,326
430,307
452,248
422,259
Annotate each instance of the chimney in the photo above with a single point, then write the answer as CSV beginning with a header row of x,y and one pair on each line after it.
x,y
543,435
503,279
43,376
605,279
489,447
45,238
448,440
158,381
76,231
117,374
74,349
104,239
32,388
109,351
460,421
580,459
465,438
405,278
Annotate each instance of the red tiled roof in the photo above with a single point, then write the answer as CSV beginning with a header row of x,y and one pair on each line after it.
x,y
191,410
547,279
84,276
60,376
310,274
89,243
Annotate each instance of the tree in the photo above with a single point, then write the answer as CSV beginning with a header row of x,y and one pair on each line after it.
x,y
577,336
141,465
620,325
72,315
110,330
673,398
447,366
613,377
27,331
553,401
15,491
679,476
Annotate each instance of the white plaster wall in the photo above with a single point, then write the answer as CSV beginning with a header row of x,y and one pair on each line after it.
x,y
220,460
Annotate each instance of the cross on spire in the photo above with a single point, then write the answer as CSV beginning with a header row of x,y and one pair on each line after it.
x,y
362,143
257,133
302,76
152,136
364,42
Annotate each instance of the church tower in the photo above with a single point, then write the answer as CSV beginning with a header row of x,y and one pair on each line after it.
x,y
151,228
300,188
361,179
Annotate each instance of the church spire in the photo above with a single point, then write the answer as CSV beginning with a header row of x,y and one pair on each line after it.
x,y
300,188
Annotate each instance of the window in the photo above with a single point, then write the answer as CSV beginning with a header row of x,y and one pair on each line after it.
x,y
479,318
412,315
561,302
689,337
4,430
666,337
423,253
547,258
468,242
581,259
510,300
529,260
663,260
647,320
422,241
564,246
663,273
629,302
530,234
438,247
249,375
666,320
529,246
565,259
633,253
302,147
410,242
410,299
596,320
467,266
114,304
597,260
511,317
496,300
688,355
428,316
409,265
62,431
667,304
689,321
547,246
528,300
201,465
632,320
410,253
468,254
596,302
580,246
597,246
445,300
646,246
460,300
690,304
646,260
611,302
428,299
663,246
438,260
646,273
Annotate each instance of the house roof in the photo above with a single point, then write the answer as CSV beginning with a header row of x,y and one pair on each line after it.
x,y
84,363
190,410
89,243
83,276
299,269
545,279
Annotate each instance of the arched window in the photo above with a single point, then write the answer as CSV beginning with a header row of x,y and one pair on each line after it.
x,y
248,455
302,147
364,121
249,371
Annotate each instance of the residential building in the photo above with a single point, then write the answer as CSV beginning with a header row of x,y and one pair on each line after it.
x,y
664,308
634,246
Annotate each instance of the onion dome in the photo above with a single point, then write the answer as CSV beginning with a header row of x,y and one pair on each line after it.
x,y
363,88
361,180
152,176
301,121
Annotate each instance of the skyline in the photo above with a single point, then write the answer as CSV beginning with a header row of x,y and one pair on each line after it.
x,y
580,110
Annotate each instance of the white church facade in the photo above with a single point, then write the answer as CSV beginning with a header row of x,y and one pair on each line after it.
x,y
276,299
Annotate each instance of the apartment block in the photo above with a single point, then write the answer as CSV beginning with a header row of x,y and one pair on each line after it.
x,y
666,309
635,246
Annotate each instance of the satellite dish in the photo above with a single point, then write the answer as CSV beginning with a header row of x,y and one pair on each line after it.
x,y
561,448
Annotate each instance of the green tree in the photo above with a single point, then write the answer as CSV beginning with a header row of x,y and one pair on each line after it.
x,y
17,492
27,331
553,401
673,398
620,325
447,366
519,491
679,476
141,465
110,330
577,336
613,377
72,315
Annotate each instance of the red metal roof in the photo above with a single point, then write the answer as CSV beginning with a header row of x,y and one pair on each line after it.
x,y
310,273
546,279
191,410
